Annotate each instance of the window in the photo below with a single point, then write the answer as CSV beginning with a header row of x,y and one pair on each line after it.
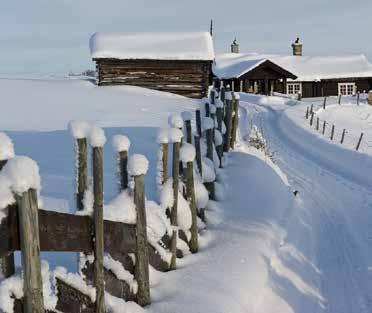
x,y
346,89
294,88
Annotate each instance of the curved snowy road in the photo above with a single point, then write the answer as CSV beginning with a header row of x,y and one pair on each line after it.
x,y
333,227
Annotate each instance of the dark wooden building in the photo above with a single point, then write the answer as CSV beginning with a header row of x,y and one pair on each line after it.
x,y
179,63
311,76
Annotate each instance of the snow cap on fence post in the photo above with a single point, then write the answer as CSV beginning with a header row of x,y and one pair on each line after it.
x,y
187,153
137,165
120,143
175,135
175,120
186,116
23,174
6,147
79,129
208,123
162,136
97,137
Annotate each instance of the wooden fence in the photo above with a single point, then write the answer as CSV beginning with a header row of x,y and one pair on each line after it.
x,y
342,135
28,229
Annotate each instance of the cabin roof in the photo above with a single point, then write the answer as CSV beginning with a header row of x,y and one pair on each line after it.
x,y
306,68
196,46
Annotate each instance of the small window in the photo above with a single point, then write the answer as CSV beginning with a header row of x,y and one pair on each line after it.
x,y
294,88
346,89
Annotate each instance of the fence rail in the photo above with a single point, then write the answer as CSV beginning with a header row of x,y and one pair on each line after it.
x,y
32,231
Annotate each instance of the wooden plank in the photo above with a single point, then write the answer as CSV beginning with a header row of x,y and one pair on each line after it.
x,y
30,247
68,233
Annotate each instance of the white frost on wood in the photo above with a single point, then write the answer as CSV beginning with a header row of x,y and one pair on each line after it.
x,y
79,129
120,272
76,281
175,135
187,153
175,120
6,147
88,202
121,209
120,143
10,288
137,165
97,137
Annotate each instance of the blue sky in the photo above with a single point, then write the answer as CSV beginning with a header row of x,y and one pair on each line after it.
x,y
51,36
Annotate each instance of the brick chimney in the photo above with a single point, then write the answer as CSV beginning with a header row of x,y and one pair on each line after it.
x,y
235,46
297,47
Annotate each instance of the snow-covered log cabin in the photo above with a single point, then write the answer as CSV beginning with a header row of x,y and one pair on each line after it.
x,y
317,76
179,63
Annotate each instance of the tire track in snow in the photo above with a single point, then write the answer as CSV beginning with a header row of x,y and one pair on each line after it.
x,y
346,286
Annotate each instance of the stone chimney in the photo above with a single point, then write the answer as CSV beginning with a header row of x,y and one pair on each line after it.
x,y
235,46
297,47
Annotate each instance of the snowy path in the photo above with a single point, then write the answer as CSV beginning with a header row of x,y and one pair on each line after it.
x,y
337,211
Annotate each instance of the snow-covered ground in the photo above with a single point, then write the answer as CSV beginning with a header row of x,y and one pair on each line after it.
x,y
265,249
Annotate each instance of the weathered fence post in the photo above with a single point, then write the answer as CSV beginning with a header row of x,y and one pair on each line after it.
x,y
121,145
359,142
307,113
213,95
332,131
228,116
235,120
343,136
138,165
80,131
7,267
339,99
30,246
198,155
325,102
209,133
311,118
358,97
162,140
311,108
198,122
317,123
188,156
176,137
219,114
187,120
324,127
97,141
207,109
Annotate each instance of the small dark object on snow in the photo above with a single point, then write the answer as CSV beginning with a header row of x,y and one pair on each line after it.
x,y
295,192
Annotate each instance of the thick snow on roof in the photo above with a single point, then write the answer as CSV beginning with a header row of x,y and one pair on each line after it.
x,y
306,68
157,46
231,65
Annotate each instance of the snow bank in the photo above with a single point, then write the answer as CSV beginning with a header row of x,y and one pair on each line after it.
x,y
10,288
79,129
120,143
187,153
97,137
137,165
117,305
121,209
162,136
175,120
6,147
175,135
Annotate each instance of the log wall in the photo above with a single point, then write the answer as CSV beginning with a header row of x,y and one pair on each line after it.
x,y
186,78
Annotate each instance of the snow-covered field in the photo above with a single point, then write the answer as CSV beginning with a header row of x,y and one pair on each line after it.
x,y
265,250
